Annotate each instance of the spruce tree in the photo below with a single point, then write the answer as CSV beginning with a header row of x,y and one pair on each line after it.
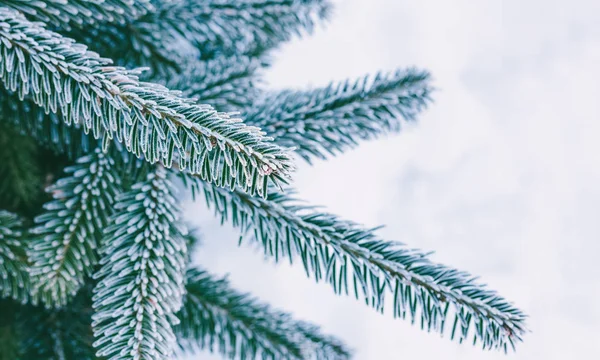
x,y
111,110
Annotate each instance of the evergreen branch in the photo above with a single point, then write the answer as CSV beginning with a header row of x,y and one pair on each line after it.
x,y
226,27
64,249
149,120
227,83
239,326
182,31
79,12
141,282
20,175
332,119
340,252
14,280
57,333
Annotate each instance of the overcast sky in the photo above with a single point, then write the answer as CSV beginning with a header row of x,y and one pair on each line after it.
x,y
500,176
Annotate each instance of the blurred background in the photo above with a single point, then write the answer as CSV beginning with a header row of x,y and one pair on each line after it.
x,y
500,176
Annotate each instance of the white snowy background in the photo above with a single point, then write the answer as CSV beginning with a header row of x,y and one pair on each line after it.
x,y
500,176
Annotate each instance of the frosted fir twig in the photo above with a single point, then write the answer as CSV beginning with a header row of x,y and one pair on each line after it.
x,y
141,281
152,122
214,314
350,257
65,242
226,27
14,279
181,31
327,121
65,13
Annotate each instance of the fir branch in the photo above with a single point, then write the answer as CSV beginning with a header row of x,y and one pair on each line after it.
x,y
341,252
226,27
14,280
141,281
150,120
220,319
333,119
79,12
182,31
20,175
64,248
228,83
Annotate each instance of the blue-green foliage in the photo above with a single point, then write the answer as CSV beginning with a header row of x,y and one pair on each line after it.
x,y
353,259
14,279
151,121
20,178
63,250
141,281
80,12
46,129
332,119
227,83
214,316
90,225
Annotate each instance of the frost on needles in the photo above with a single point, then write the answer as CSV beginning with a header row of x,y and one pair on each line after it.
x,y
94,257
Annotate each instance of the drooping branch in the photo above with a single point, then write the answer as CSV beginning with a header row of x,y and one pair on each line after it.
x,y
352,258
